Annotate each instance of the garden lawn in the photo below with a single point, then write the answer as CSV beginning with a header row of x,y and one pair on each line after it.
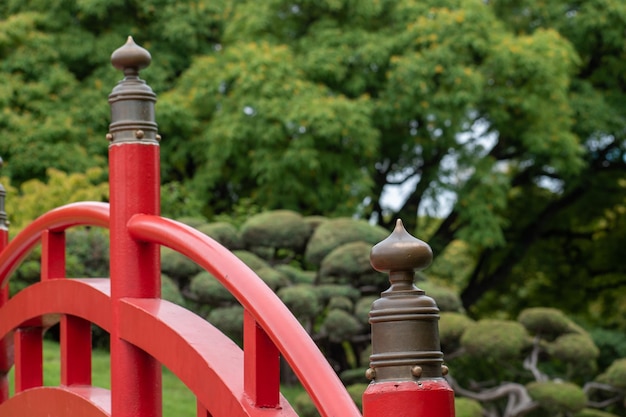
x,y
178,401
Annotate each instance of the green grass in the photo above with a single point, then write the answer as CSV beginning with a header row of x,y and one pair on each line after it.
x,y
178,401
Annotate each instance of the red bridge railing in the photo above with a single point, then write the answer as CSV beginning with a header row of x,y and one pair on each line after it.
x,y
147,332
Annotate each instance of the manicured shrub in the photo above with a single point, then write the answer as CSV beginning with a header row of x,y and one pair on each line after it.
x,y
497,339
296,275
336,232
451,328
230,321
273,278
574,348
301,300
326,291
177,266
466,407
547,322
558,397
225,233
341,303
615,374
253,261
351,261
446,299
283,229
170,291
207,289
339,326
363,307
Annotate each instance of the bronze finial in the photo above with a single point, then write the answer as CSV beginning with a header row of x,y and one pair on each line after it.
x,y
405,335
130,57
132,100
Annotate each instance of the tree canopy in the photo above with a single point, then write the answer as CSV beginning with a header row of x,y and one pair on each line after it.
x,y
514,108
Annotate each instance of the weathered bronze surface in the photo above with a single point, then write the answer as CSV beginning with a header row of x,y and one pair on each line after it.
x,y
405,332
132,100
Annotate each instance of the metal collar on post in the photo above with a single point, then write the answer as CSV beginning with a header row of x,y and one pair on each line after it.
x,y
132,100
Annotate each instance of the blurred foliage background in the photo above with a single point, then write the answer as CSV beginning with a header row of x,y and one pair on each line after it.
x,y
287,126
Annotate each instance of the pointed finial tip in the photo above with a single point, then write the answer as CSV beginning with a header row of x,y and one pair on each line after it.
x,y
400,251
130,56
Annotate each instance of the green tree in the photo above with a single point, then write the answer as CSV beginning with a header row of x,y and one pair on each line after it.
x,y
512,107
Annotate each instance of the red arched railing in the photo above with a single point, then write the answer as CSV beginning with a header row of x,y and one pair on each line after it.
x,y
147,331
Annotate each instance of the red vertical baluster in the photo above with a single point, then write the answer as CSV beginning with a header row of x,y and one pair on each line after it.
x,y
261,365
75,332
134,188
28,358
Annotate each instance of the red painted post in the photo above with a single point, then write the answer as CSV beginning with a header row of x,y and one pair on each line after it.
x,y
134,182
5,343
406,364
261,365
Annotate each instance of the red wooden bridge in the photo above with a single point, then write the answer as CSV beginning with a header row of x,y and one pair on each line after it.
x,y
147,332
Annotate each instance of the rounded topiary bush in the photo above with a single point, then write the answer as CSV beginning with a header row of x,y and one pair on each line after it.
x,y
273,278
446,299
351,261
574,347
283,229
296,275
341,303
545,321
194,222
451,328
229,320
224,233
363,307
339,325
301,300
207,289
177,266
327,291
336,232
615,374
170,291
558,397
497,339
253,261
466,407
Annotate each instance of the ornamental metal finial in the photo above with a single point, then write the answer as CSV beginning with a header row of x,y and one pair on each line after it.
x,y
132,100
130,57
405,334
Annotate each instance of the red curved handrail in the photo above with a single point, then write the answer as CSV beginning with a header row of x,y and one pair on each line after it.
x,y
75,214
199,354
88,299
317,377
58,401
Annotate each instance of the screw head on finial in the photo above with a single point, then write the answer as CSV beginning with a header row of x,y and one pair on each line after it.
x,y
400,252
130,57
